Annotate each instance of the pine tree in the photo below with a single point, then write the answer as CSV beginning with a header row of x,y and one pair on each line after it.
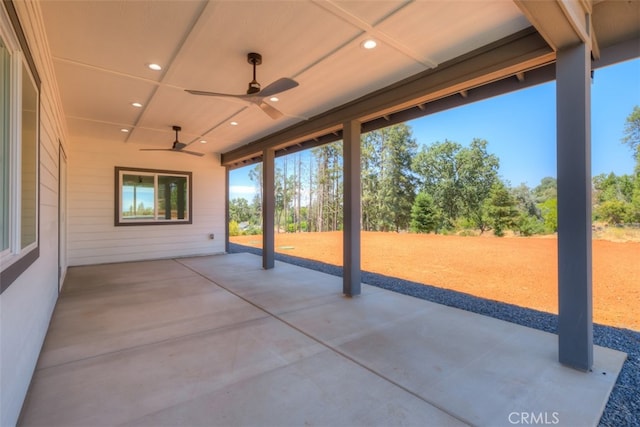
x,y
501,209
424,214
389,185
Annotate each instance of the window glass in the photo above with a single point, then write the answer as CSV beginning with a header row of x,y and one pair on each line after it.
x,y
138,197
5,61
172,197
29,211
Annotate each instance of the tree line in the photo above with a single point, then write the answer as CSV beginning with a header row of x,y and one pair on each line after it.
x,y
444,187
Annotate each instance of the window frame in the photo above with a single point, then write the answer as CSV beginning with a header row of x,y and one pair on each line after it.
x,y
15,260
120,171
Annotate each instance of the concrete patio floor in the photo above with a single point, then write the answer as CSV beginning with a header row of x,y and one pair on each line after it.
x,y
219,341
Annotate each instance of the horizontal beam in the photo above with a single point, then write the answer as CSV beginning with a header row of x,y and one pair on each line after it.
x,y
611,55
562,23
518,53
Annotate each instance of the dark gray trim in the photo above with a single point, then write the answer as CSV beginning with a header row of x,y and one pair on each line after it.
x,y
573,99
15,21
11,273
226,210
116,205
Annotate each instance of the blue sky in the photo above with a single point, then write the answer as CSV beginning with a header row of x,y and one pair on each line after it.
x,y
521,128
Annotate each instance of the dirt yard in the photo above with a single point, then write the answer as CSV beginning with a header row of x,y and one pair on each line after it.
x,y
521,271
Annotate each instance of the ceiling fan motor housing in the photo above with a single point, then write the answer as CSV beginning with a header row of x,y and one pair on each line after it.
x,y
254,87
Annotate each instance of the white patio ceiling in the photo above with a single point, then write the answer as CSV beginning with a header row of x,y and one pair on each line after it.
x,y
101,50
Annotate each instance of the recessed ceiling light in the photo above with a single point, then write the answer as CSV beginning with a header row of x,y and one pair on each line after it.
x,y
369,44
124,130
234,123
274,99
202,141
155,67
136,104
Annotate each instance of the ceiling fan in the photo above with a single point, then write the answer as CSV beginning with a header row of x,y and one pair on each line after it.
x,y
177,146
255,94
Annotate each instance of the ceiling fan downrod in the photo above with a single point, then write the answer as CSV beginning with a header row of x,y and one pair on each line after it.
x,y
255,59
176,129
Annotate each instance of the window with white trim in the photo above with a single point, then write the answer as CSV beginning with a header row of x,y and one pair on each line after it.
x,y
19,150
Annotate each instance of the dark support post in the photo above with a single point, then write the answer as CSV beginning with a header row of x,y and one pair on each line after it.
x,y
573,102
351,228
268,208
226,210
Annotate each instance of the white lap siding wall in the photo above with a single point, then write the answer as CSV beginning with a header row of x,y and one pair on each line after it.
x,y
93,237
27,304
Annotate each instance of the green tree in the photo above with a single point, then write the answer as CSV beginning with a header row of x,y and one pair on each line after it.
x,y
613,211
525,201
388,184
632,139
529,220
501,209
239,210
397,183
549,210
255,175
437,168
328,190
547,189
632,131
528,225
614,198
479,176
459,178
234,229
371,164
613,187
424,214
634,207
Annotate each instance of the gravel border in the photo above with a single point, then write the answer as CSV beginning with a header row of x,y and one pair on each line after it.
x,y
623,407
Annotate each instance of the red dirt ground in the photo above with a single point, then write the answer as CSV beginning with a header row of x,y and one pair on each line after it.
x,y
516,270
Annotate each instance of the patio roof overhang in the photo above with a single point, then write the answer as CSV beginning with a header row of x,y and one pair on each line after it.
x,y
482,73
522,60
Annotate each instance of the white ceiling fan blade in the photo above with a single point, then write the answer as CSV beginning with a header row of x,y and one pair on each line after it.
x,y
278,86
271,111
173,149
227,95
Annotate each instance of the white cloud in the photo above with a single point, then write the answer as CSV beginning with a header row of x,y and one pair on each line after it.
x,y
242,189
